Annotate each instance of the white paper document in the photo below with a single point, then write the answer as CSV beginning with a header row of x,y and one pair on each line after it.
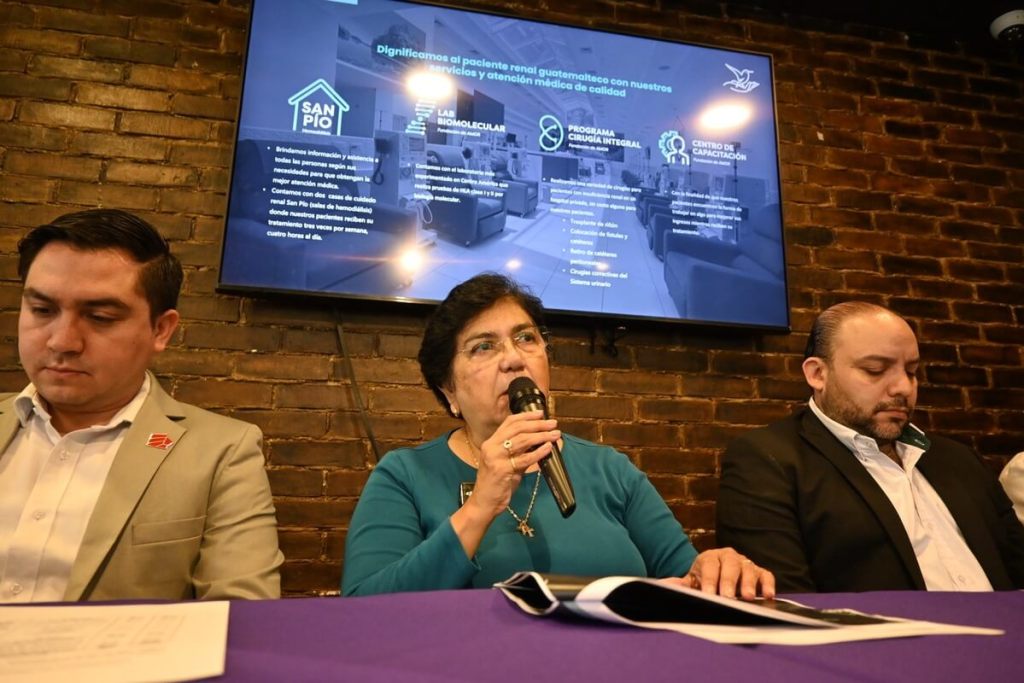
x,y
113,643
648,603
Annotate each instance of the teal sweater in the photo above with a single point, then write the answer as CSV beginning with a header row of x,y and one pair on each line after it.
x,y
401,538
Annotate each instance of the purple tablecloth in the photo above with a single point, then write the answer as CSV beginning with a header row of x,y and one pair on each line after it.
x,y
477,635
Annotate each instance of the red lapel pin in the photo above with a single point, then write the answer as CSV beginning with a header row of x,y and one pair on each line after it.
x,y
161,441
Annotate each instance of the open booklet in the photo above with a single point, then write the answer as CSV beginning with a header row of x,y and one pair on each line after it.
x,y
649,603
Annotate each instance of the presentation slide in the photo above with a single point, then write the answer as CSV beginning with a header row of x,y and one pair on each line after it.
x,y
390,150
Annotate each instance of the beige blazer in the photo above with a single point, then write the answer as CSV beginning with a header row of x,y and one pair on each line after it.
x,y
192,519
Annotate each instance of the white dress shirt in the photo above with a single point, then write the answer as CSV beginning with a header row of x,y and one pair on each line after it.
x,y
946,562
49,485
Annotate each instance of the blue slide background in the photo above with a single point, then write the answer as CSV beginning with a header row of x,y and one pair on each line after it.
x,y
623,233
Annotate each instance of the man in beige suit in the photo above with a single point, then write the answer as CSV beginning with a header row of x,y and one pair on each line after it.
x,y
109,488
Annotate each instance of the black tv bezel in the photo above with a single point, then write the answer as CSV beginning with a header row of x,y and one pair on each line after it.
x,y
551,313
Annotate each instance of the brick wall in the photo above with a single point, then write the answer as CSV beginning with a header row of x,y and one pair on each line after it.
x,y
903,169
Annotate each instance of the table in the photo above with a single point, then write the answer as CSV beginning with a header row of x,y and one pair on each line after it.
x,y
478,636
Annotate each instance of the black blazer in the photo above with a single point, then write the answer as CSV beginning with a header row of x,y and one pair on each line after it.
x,y
795,500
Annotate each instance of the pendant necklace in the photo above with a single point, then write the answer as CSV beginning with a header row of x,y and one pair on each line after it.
x,y
522,523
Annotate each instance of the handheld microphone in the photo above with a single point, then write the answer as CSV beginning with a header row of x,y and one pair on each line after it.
x,y
524,396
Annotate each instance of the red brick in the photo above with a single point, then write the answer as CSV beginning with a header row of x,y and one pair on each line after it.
x,y
296,482
637,382
346,482
1003,399
310,578
1006,294
67,116
596,407
955,376
206,107
403,400
942,289
111,145
196,202
815,278
129,51
948,332
846,259
349,453
176,30
675,410
750,412
884,144
286,424
995,252
641,435
670,487
310,341
81,22
314,396
390,371
581,355
718,387
921,167
300,545
58,42
678,461
962,420
184,362
59,166
991,354
20,85
95,194
121,97
384,426
1004,334
900,184
746,364
27,189
200,154
314,513
220,393
163,125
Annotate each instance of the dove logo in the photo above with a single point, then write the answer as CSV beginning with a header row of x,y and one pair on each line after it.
x,y
741,80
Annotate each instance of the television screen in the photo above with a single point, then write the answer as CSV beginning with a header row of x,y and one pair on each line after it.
x,y
390,150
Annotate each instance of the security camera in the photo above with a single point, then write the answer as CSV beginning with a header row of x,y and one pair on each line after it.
x,y
1009,27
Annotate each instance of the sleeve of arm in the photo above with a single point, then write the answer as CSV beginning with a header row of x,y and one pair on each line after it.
x,y
387,551
239,555
1012,479
1010,501
665,547
757,515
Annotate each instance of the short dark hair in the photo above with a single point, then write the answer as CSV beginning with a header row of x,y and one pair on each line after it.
x,y
97,229
821,339
465,302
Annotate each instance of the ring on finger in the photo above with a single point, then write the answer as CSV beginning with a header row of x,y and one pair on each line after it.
x,y
507,445
512,459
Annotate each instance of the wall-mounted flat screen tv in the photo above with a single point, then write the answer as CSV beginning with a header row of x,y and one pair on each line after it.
x,y
390,150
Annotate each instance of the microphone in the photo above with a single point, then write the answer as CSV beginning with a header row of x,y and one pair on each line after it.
x,y
524,396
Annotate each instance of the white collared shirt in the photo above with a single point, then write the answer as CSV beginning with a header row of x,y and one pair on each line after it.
x,y
49,486
946,562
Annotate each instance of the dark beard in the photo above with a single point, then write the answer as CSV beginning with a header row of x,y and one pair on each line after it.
x,y
864,424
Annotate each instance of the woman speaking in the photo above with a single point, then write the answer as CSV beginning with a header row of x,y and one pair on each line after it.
x,y
471,508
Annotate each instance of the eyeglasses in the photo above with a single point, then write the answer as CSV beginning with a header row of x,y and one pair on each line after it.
x,y
528,342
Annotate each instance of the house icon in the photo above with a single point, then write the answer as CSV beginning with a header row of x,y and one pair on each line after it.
x,y
318,109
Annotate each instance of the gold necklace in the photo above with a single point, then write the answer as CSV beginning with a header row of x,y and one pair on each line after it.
x,y
522,523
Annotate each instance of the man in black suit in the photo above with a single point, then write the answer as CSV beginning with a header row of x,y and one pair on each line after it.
x,y
848,495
